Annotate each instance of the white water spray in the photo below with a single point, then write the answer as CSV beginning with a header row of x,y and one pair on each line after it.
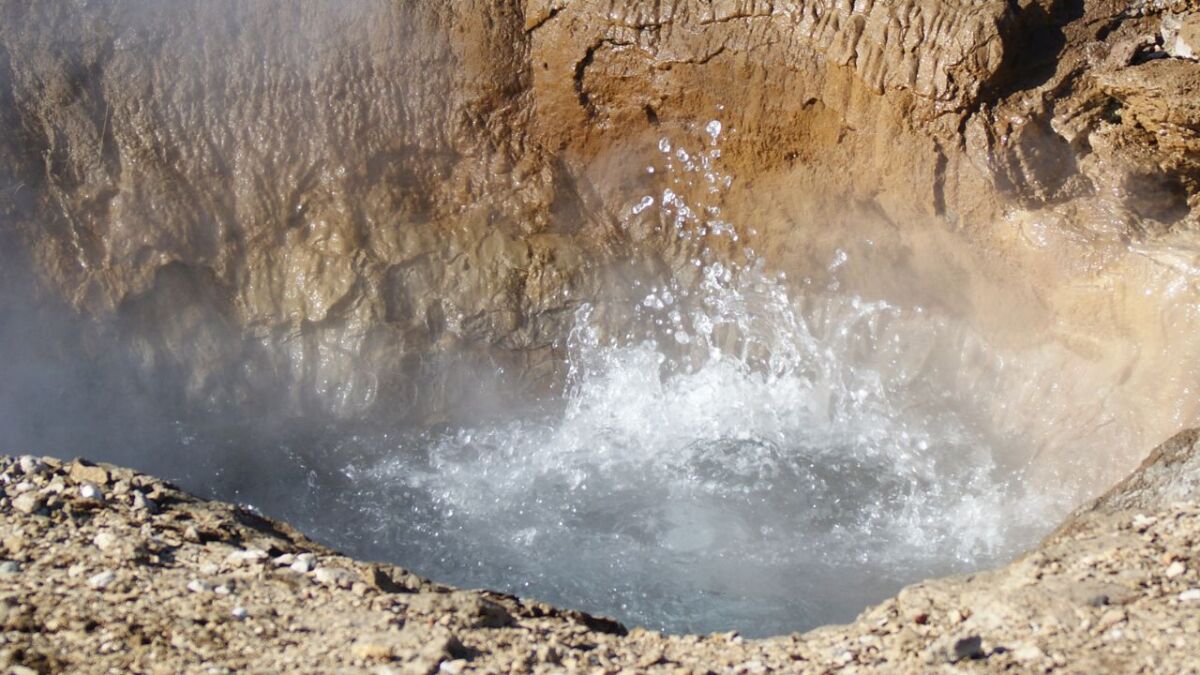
x,y
754,459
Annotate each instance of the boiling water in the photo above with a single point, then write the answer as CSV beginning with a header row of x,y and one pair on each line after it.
x,y
748,456
748,453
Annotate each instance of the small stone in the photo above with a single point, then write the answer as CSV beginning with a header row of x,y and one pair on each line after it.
x,y
85,472
1028,652
32,466
304,563
102,580
1175,569
14,543
24,486
371,650
240,613
143,503
105,540
1109,619
29,502
453,667
199,586
1141,522
9,567
967,648
285,560
1191,595
91,491
222,590
333,576
245,557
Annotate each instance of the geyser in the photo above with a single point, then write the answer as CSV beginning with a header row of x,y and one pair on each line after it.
x,y
298,235
747,454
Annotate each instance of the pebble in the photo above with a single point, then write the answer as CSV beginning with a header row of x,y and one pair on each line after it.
x,y
240,613
91,491
10,567
334,576
1176,569
247,556
31,466
102,580
105,540
143,503
28,502
1142,522
24,486
304,563
198,586
1028,652
1191,595
87,473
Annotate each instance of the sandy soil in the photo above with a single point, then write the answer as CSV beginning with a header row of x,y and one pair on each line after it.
x,y
108,570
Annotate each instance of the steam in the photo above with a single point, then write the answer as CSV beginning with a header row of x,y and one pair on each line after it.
x,y
752,450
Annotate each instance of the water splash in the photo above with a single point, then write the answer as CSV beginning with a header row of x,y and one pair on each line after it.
x,y
752,459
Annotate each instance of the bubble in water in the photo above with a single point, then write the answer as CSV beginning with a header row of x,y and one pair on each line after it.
x,y
714,130
644,204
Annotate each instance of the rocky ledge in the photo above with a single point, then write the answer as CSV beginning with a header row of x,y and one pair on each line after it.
x,y
111,570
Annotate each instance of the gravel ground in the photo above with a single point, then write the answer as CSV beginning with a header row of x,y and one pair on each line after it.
x,y
108,570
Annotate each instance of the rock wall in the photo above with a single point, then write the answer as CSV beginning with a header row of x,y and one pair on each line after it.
x,y
384,205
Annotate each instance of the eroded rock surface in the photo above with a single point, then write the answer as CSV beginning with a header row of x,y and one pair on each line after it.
x,y
371,203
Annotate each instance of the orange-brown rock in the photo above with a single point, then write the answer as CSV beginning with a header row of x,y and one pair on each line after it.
x,y
372,203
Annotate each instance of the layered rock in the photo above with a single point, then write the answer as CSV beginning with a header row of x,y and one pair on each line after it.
x,y
371,204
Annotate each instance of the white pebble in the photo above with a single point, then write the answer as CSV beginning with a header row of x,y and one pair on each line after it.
x,y
31,466
333,576
1143,522
102,580
105,540
240,613
248,556
1176,569
91,491
1192,595
141,501
305,563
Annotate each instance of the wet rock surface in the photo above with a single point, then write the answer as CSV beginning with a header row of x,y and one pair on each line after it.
x,y
92,585
329,209
373,204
